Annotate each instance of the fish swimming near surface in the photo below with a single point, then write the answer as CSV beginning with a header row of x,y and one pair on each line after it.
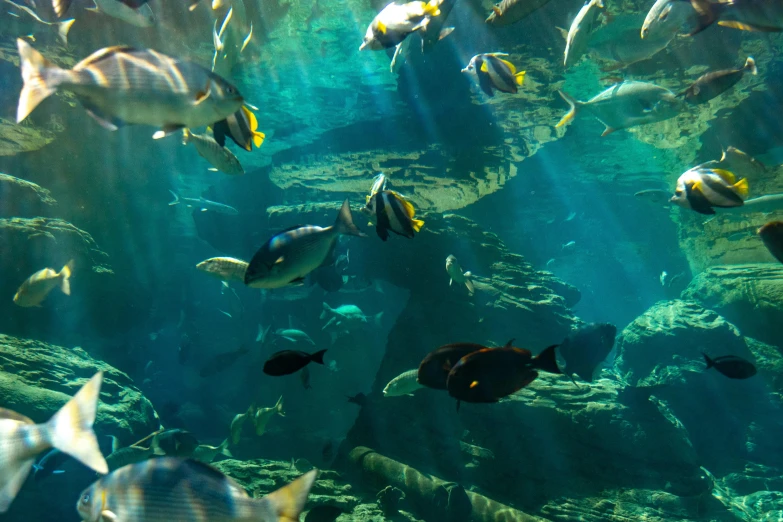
x,y
731,366
626,105
772,235
713,84
262,416
286,362
35,289
119,85
222,362
747,15
203,204
701,189
168,489
455,272
69,430
403,385
396,22
669,17
224,268
581,29
290,255
217,155
435,367
28,21
585,349
141,16
491,374
48,464
494,73
241,127
510,12
323,514
393,213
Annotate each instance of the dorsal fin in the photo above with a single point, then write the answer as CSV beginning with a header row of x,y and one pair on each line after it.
x,y
102,54
726,176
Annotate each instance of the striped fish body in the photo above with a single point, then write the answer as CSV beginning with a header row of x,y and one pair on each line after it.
x,y
224,268
393,213
580,31
404,384
241,127
701,189
218,156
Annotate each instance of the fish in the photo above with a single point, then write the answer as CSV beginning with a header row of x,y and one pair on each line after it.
x,y
739,162
626,105
586,348
238,422
262,416
304,376
286,362
713,84
61,6
222,362
206,453
48,464
435,30
772,236
323,514
404,384
217,155
455,272
120,456
393,213
241,127
669,17
396,22
36,287
141,16
623,46
494,73
69,430
732,366
287,257
224,268
491,374
378,185
203,204
746,15
29,21
434,369
293,335
580,31
360,399
701,189
119,85
476,451
174,443
327,452
510,12
166,489
349,317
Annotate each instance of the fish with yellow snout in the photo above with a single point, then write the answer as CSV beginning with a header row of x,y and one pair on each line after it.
x,y
703,189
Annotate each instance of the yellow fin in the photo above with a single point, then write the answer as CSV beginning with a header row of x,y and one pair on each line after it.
x,y
251,118
520,77
726,176
742,187
696,187
381,27
432,8
474,384
747,27
417,224
484,67
258,138
510,66
406,205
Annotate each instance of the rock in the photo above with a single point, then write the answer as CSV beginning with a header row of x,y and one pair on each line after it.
x,y
22,197
750,296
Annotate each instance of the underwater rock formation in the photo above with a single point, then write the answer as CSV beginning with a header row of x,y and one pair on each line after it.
x,y
19,197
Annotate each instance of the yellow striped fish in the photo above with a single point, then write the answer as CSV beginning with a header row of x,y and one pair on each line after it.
x,y
393,212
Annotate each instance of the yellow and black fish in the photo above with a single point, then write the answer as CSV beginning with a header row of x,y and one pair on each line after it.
x,y
242,127
495,73
393,212
702,189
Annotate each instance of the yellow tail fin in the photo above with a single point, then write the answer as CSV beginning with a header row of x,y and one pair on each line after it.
x,y
258,138
65,274
571,112
742,187
520,77
433,8
288,501
37,82
417,224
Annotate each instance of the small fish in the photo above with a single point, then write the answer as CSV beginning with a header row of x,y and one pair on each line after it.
x,y
663,278
702,189
403,385
580,31
69,430
292,335
35,289
168,489
731,366
141,16
510,12
327,452
286,362
435,367
713,84
174,443
455,272
494,73
585,349
222,362
238,422
323,514
290,255
203,204
626,105
218,156
747,15
224,268
206,453
490,374
48,464
119,85
29,21
669,17
120,457
571,245
396,22
264,415
360,399
241,127
304,376
393,213
772,235
262,334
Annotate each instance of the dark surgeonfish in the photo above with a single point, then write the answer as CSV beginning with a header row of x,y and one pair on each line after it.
x,y
713,84
732,366
168,489
435,367
287,362
585,349
222,362
393,213
490,374
772,235
241,127
747,15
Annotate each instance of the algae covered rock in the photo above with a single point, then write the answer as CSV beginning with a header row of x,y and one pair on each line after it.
x,y
20,197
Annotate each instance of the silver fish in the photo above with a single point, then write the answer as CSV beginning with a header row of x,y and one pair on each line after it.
x,y
35,289
140,17
403,385
669,17
203,204
455,272
224,268
580,31
28,21
218,156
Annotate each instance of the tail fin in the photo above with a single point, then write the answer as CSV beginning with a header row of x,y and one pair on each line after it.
x,y
65,274
432,8
547,360
39,83
520,78
287,502
326,311
70,429
710,362
750,65
417,224
12,476
344,222
279,406
216,38
223,448
63,28
573,103
318,357
742,188
175,201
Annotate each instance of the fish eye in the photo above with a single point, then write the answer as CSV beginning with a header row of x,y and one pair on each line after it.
x,y
86,498
230,90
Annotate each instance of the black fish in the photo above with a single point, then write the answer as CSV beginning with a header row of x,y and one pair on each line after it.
x,y
434,369
327,453
323,514
714,84
490,374
731,366
222,362
241,127
175,443
286,362
587,348
48,464
359,399
772,235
